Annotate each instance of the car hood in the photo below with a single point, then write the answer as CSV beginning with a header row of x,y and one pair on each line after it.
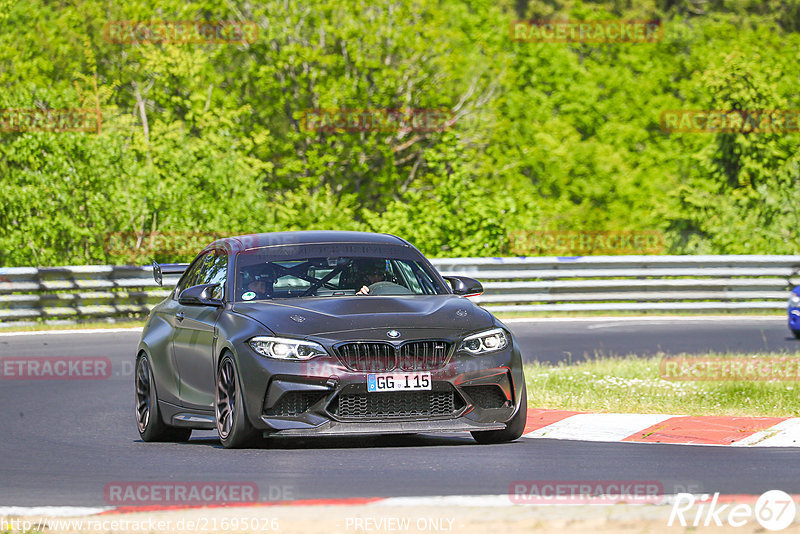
x,y
330,315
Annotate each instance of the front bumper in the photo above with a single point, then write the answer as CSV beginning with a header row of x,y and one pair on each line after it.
x,y
323,397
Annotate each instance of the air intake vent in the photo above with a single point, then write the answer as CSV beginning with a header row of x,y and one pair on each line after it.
x,y
396,405
293,403
486,396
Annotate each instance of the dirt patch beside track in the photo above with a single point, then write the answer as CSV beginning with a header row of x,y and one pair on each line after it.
x,y
379,517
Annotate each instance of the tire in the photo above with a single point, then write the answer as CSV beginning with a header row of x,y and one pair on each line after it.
x,y
513,429
235,430
148,416
796,334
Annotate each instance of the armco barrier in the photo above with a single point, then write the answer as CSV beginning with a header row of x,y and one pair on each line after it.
x,y
531,284
637,283
78,292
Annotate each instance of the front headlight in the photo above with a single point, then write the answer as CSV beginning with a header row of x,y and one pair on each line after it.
x,y
794,300
489,341
286,349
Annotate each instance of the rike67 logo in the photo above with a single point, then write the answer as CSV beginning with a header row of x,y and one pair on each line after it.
x,y
774,510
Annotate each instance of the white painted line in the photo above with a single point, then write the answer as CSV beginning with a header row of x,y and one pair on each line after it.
x,y
784,434
598,426
49,511
56,332
447,500
480,501
646,318
494,501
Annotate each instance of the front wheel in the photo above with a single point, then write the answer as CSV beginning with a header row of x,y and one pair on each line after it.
x,y
234,429
796,333
148,416
513,429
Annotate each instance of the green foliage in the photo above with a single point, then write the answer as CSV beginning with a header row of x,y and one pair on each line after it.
x,y
481,222
202,140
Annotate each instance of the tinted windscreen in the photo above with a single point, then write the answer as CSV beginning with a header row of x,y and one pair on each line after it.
x,y
262,275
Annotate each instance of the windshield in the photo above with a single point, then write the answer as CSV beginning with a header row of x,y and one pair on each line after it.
x,y
259,276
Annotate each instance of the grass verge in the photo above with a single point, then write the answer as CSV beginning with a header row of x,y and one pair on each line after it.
x,y
633,384
89,325
650,313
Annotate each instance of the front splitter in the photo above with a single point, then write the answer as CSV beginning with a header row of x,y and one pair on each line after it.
x,y
340,428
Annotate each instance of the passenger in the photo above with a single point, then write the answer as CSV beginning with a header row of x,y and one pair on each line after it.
x,y
259,287
261,280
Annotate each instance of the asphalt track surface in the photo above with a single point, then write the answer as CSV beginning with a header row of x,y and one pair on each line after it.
x,y
64,441
575,340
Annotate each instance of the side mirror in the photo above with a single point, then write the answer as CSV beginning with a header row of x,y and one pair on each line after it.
x,y
464,286
199,296
159,270
157,274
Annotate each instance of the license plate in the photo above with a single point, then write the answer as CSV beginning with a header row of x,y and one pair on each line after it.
x,y
398,382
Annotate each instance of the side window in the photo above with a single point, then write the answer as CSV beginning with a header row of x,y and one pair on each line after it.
x,y
214,271
190,276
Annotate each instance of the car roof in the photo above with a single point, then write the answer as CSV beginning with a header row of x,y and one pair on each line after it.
x,y
304,237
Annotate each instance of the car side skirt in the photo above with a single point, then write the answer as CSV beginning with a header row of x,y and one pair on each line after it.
x,y
180,416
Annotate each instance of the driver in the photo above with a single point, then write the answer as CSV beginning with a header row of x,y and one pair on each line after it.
x,y
374,272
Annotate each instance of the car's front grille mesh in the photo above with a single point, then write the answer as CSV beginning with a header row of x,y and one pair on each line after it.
x,y
423,355
486,396
368,356
293,403
396,405
381,357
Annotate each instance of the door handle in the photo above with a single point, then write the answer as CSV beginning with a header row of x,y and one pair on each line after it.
x,y
179,316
